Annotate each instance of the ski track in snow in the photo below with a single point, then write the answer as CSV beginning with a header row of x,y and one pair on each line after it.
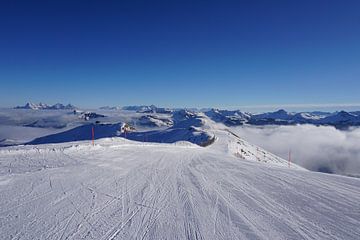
x,y
163,191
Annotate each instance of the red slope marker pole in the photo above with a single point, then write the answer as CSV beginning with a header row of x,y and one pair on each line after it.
x,y
92,135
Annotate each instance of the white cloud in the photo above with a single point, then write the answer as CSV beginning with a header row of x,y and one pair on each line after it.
x,y
316,148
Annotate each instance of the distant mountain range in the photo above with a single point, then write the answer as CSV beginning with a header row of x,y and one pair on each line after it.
x,y
341,119
148,109
43,106
141,109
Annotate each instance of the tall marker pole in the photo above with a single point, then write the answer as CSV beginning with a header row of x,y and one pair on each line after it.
x,y
92,135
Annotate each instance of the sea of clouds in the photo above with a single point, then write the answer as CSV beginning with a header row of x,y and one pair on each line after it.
x,y
323,148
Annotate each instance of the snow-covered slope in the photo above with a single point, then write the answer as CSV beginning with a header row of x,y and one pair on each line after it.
x,y
83,132
229,118
119,189
154,121
187,127
172,135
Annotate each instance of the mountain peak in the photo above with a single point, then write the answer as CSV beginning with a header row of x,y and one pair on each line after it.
x,y
281,111
43,106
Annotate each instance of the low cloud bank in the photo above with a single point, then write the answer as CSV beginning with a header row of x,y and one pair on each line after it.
x,y
324,149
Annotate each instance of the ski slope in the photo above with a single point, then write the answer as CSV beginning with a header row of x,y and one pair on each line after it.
x,y
120,189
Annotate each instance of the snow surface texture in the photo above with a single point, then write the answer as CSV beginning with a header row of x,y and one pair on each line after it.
x,y
121,189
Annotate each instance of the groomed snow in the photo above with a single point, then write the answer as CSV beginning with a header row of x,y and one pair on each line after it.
x,y
120,189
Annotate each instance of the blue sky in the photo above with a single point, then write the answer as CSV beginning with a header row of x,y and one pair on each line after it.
x,y
180,53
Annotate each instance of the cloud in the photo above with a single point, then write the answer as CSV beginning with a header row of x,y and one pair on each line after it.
x,y
323,148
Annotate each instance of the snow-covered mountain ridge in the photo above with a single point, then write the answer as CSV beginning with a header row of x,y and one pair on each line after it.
x,y
281,117
341,119
43,106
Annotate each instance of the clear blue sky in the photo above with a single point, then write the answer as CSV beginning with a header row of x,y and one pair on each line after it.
x,y
180,53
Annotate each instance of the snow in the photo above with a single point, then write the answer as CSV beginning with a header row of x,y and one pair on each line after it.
x,y
122,189
280,114
186,128
154,121
167,185
148,109
43,106
340,119
24,125
83,132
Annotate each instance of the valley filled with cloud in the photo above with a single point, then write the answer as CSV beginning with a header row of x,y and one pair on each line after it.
x,y
317,148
